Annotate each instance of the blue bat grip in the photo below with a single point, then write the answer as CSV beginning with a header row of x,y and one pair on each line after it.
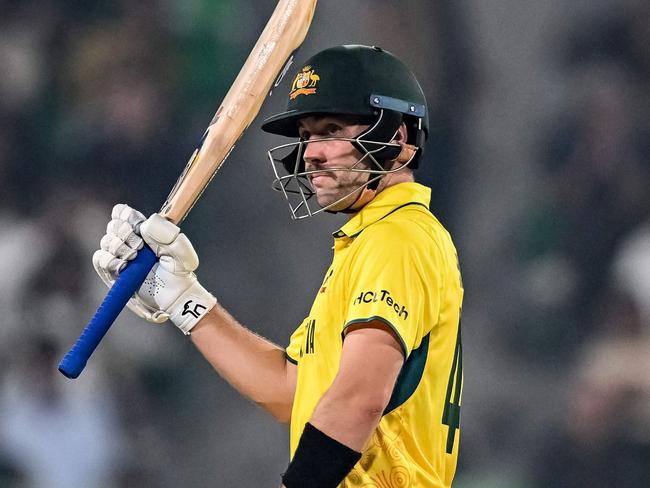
x,y
128,282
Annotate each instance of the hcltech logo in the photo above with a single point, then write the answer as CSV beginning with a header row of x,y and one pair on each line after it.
x,y
381,296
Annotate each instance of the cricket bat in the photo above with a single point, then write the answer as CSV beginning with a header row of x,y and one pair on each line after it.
x,y
265,67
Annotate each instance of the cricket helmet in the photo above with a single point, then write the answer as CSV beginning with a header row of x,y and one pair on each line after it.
x,y
356,80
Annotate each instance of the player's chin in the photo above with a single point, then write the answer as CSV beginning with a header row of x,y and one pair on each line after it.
x,y
331,200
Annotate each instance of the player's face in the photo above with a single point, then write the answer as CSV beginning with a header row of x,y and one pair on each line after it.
x,y
332,159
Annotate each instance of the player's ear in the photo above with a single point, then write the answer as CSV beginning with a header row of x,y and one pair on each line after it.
x,y
402,134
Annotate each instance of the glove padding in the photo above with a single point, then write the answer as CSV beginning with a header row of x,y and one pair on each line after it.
x,y
171,290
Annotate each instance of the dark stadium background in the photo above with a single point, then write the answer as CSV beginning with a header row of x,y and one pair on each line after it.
x,y
539,160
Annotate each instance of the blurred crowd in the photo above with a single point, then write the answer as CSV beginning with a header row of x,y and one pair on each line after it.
x,y
571,311
102,102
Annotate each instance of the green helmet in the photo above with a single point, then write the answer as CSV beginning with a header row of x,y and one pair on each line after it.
x,y
356,80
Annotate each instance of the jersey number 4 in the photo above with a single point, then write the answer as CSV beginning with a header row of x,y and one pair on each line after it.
x,y
451,411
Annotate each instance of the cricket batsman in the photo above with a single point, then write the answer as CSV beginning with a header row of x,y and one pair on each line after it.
x,y
371,381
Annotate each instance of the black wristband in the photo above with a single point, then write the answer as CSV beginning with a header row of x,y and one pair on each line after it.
x,y
319,461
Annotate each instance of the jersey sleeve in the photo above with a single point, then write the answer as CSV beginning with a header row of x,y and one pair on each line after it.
x,y
392,278
292,351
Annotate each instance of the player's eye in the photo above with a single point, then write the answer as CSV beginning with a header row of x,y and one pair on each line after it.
x,y
333,129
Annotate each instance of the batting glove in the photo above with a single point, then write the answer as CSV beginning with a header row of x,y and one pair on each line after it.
x,y
171,291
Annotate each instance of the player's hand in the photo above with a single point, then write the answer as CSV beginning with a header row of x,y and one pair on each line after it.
x,y
171,290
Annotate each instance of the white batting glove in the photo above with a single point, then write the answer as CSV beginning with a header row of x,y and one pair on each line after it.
x,y
171,291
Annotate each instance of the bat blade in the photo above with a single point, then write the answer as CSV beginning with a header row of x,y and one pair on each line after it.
x,y
266,64
282,35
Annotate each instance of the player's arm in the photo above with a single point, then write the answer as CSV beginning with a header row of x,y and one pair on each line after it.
x,y
254,366
353,405
350,410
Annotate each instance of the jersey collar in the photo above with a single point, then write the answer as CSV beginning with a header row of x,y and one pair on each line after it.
x,y
386,202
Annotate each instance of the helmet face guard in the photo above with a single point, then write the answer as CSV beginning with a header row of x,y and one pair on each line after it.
x,y
292,178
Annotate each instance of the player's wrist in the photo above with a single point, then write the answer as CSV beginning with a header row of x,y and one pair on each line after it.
x,y
190,307
319,461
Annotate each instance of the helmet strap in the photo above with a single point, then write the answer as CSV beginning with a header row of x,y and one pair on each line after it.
x,y
362,199
407,153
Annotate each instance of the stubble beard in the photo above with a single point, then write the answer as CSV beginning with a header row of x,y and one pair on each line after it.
x,y
349,191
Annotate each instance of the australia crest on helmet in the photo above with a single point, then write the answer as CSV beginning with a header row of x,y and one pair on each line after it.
x,y
304,83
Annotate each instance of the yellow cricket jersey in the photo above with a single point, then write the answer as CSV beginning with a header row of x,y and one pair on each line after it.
x,y
393,262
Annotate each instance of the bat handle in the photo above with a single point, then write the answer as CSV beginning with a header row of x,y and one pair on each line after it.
x,y
128,282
